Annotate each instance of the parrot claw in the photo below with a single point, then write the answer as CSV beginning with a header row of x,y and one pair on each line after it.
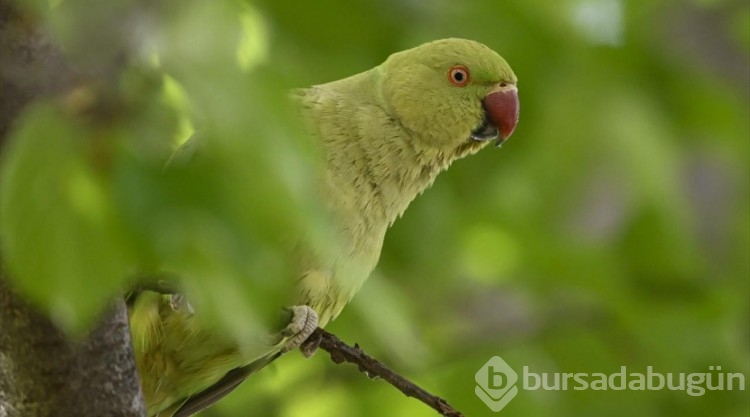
x,y
179,302
303,324
311,344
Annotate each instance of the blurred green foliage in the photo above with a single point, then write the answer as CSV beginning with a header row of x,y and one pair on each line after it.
x,y
612,230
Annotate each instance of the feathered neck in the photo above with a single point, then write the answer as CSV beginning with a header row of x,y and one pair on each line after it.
x,y
390,167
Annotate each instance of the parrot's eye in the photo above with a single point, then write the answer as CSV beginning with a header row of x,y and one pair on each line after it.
x,y
458,75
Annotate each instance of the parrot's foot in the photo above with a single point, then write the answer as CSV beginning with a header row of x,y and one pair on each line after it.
x,y
179,302
162,284
303,324
311,344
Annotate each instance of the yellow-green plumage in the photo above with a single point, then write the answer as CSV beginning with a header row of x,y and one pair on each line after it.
x,y
385,134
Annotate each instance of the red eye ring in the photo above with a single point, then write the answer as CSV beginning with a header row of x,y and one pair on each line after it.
x,y
459,75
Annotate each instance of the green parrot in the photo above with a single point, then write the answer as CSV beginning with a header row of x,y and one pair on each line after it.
x,y
385,134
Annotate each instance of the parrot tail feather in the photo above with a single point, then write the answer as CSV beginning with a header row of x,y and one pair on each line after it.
x,y
224,386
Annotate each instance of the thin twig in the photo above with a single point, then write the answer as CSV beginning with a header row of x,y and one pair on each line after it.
x,y
341,352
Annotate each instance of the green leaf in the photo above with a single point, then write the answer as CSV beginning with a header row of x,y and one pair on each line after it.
x,y
61,236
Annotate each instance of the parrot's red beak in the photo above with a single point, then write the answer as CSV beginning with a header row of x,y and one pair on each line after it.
x,y
502,108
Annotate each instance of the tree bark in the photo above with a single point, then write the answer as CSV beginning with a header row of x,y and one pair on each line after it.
x,y
42,371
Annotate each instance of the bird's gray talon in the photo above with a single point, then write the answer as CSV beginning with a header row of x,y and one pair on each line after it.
x,y
179,302
310,346
303,324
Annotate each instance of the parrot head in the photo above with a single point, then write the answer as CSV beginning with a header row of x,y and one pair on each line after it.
x,y
453,94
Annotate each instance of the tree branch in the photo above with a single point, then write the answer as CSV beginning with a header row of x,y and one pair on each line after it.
x,y
341,352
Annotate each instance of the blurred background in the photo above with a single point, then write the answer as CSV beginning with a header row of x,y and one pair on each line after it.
x,y
613,229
